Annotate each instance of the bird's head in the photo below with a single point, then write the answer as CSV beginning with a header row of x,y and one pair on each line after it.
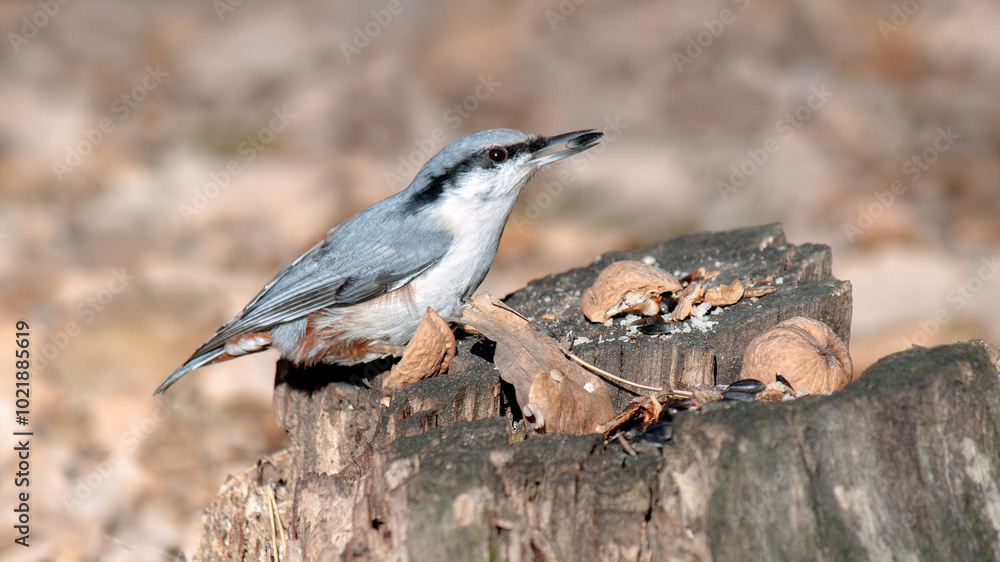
x,y
491,165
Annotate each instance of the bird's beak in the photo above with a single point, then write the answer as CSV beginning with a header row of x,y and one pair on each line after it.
x,y
576,143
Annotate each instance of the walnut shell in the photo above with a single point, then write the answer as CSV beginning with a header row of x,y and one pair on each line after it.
x,y
686,299
804,351
626,286
725,295
759,291
427,355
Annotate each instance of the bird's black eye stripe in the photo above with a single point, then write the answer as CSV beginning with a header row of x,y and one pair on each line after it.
x,y
497,154
534,145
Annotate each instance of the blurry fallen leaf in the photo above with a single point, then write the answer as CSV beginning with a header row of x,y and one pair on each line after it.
x,y
686,299
805,351
725,295
627,286
548,317
759,291
644,409
555,394
427,355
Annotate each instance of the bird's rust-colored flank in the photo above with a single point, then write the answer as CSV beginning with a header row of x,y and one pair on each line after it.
x,y
319,341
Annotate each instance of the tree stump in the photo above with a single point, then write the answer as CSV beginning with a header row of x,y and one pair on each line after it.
x,y
903,463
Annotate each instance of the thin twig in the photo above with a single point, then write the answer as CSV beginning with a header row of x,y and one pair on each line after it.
x,y
277,528
604,373
628,448
281,526
274,535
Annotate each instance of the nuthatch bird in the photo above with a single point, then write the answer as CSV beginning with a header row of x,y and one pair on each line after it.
x,y
359,294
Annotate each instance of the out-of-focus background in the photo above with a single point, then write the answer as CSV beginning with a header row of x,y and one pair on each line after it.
x,y
160,161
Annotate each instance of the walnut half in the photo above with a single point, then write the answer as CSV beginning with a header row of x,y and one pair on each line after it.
x,y
627,286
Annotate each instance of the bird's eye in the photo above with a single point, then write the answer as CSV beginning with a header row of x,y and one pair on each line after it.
x,y
498,155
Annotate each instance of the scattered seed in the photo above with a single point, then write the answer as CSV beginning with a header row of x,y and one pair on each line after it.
x,y
681,404
753,386
657,433
656,329
739,396
666,414
653,325
584,140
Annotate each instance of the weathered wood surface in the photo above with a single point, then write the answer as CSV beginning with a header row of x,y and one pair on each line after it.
x,y
904,461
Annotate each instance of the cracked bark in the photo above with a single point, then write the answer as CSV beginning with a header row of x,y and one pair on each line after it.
x,y
901,463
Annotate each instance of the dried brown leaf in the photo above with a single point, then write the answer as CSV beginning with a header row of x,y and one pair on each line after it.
x,y
804,351
565,406
626,286
550,389
644,409
725,295
427,355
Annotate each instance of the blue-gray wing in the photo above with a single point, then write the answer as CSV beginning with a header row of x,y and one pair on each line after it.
x,y
361,259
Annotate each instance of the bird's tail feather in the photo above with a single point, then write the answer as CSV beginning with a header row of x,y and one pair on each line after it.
x,y
241,345
197,360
